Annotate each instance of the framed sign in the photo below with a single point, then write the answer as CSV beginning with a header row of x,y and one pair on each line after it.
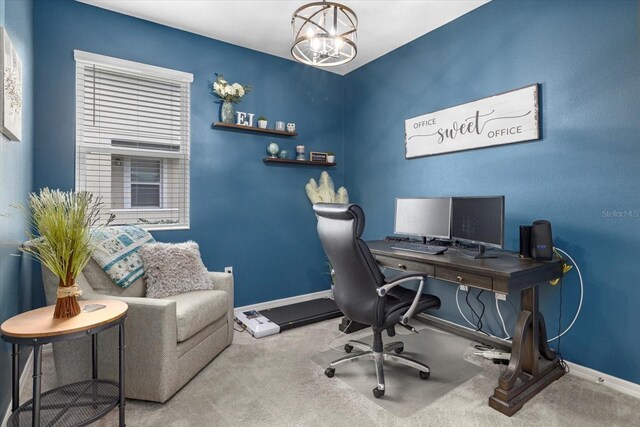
x,y
499,119
315,156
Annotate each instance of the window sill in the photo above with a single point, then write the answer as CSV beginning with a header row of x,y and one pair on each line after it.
x,y
163,227
149,213
143,210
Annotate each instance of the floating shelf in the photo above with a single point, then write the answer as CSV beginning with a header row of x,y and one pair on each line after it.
x,y
253,129
297,162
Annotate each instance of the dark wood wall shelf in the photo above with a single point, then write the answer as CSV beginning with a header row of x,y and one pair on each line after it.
x,y
297,162
253,129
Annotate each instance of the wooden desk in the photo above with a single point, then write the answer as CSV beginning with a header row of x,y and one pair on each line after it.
x,y
533,365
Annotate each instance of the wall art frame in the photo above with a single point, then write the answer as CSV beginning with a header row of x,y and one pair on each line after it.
x,y
11,90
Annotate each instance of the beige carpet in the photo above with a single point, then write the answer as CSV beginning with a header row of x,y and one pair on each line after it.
x,y
273,382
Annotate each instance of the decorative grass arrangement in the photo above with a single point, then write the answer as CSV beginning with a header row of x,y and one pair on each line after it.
x,y
62,224
324,191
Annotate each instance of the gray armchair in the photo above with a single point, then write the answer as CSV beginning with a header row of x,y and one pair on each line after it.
x,y
168,340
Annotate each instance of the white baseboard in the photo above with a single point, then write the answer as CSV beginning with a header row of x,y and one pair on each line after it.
x,y
609,381
24,379
285,301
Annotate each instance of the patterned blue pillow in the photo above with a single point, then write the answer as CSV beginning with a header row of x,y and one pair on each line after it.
x,y
117,252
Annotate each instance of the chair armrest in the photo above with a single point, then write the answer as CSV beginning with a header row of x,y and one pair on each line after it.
x,y
221,281
403,278
151,339
224,282
406,277
156,316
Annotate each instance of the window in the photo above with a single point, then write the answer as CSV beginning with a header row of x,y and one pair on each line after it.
x,y
145,179
132,140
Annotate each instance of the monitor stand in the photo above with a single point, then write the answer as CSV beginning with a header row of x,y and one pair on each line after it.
x,y
481,254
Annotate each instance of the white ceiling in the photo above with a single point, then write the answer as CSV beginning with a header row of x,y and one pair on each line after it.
x,y
265,25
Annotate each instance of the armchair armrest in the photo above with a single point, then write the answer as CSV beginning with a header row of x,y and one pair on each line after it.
x,y
154,319
224,282
151,339
403,278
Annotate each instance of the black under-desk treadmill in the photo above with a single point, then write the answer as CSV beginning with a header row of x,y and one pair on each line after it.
x,y
302,313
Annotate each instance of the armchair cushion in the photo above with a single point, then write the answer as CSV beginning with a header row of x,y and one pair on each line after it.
x,y
197,310
173,268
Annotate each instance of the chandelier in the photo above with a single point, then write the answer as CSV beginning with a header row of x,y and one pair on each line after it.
x,y
324,34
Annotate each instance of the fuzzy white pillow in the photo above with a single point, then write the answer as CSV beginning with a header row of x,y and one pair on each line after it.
x,y
173,268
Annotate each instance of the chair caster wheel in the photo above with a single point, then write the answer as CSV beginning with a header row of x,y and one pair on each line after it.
x,y
399,350
330,372
348,348
424,375
377,393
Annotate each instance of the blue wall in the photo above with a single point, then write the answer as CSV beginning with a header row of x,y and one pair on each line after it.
x,y
584,54
243,213
15,184
586,57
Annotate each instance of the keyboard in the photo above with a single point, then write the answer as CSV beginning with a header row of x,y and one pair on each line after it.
x,y
396,239
419,247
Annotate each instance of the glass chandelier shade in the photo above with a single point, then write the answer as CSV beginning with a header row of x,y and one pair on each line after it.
x,y
324,34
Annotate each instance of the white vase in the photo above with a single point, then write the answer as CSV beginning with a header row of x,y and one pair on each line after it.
x,y
262,124
331,159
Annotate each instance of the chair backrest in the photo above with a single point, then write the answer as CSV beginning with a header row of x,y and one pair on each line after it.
x,y
93,282
357,275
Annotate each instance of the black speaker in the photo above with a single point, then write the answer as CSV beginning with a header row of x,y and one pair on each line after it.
x,y
525,241
541,240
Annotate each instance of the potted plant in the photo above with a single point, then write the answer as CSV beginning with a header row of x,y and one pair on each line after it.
x,y
60,238
229,94
331,157
262,122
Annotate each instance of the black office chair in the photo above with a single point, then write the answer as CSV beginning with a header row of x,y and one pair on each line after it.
x,y
363,294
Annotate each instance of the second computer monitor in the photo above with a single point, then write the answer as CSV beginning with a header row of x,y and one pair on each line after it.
x,y
423,217
478,220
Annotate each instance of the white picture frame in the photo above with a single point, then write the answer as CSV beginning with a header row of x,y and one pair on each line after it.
x,y
11,90
505,118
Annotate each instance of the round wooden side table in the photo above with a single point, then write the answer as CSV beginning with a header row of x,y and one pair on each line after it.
x,y
76,404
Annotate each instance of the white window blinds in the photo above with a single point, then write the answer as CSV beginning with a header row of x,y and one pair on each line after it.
x,y
132,140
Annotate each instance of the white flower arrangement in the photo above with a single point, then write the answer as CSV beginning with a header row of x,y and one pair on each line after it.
x,y
229,92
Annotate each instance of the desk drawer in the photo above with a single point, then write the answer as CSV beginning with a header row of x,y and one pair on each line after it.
x,y
403,264
463,278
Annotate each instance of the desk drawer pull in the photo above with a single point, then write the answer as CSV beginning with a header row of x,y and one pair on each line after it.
x,y
401,264
464,278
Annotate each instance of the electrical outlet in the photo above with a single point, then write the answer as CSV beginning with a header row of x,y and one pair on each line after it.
x,y
228,270
464,288
502,297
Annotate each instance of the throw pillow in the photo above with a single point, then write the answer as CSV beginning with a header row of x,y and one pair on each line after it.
x,y
116,252
173,268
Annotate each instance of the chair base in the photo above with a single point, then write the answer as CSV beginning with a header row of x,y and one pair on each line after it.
x,y
391,353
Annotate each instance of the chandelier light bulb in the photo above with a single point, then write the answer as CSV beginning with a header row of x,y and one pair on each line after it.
x,y
315,44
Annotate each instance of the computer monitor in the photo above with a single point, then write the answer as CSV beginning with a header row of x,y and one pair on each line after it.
x,y
478,220
426,217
